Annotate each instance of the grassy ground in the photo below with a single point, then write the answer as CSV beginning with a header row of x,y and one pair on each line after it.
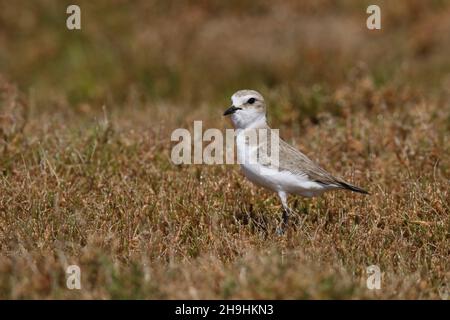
x,y
85,170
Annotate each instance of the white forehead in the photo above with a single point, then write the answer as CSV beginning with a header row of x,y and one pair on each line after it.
x,y
240,100
242,96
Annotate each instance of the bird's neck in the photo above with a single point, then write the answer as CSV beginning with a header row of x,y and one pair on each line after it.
x,y
258,123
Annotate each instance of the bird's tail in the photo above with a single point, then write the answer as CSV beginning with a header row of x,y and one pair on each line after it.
x,y
351,187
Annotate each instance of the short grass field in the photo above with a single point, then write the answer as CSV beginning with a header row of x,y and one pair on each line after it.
x,y
86,176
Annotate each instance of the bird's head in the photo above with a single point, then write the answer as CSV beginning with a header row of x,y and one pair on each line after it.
x,y
248,109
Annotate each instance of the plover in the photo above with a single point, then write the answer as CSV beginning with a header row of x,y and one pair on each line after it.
x,y
295,173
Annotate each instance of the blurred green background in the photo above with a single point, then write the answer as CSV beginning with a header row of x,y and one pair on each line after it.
x,y
199,51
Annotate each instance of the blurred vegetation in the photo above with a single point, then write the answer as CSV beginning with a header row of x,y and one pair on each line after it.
x,y
201,51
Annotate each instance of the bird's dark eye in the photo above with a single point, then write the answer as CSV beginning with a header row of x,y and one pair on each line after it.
x,y
251,100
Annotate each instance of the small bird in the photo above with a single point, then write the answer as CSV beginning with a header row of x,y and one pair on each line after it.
x,y
295,173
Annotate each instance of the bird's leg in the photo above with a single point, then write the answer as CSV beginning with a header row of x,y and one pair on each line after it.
x,y
285,214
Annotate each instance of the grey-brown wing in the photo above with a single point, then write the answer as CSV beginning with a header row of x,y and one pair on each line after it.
x,y
292,160
296,162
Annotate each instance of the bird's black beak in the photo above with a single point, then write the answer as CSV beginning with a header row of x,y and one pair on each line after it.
x,y
231,110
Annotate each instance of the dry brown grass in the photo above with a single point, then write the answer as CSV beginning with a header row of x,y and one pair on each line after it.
x,y
92,186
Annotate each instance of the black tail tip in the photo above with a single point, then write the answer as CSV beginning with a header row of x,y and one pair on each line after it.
x,y
354,188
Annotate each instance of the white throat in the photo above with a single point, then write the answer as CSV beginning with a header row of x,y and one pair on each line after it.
x,y
242,120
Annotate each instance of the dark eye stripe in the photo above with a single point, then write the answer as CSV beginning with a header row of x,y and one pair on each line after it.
x,y
251,100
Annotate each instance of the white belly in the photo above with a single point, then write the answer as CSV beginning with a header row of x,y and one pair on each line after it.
x,y
275,180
